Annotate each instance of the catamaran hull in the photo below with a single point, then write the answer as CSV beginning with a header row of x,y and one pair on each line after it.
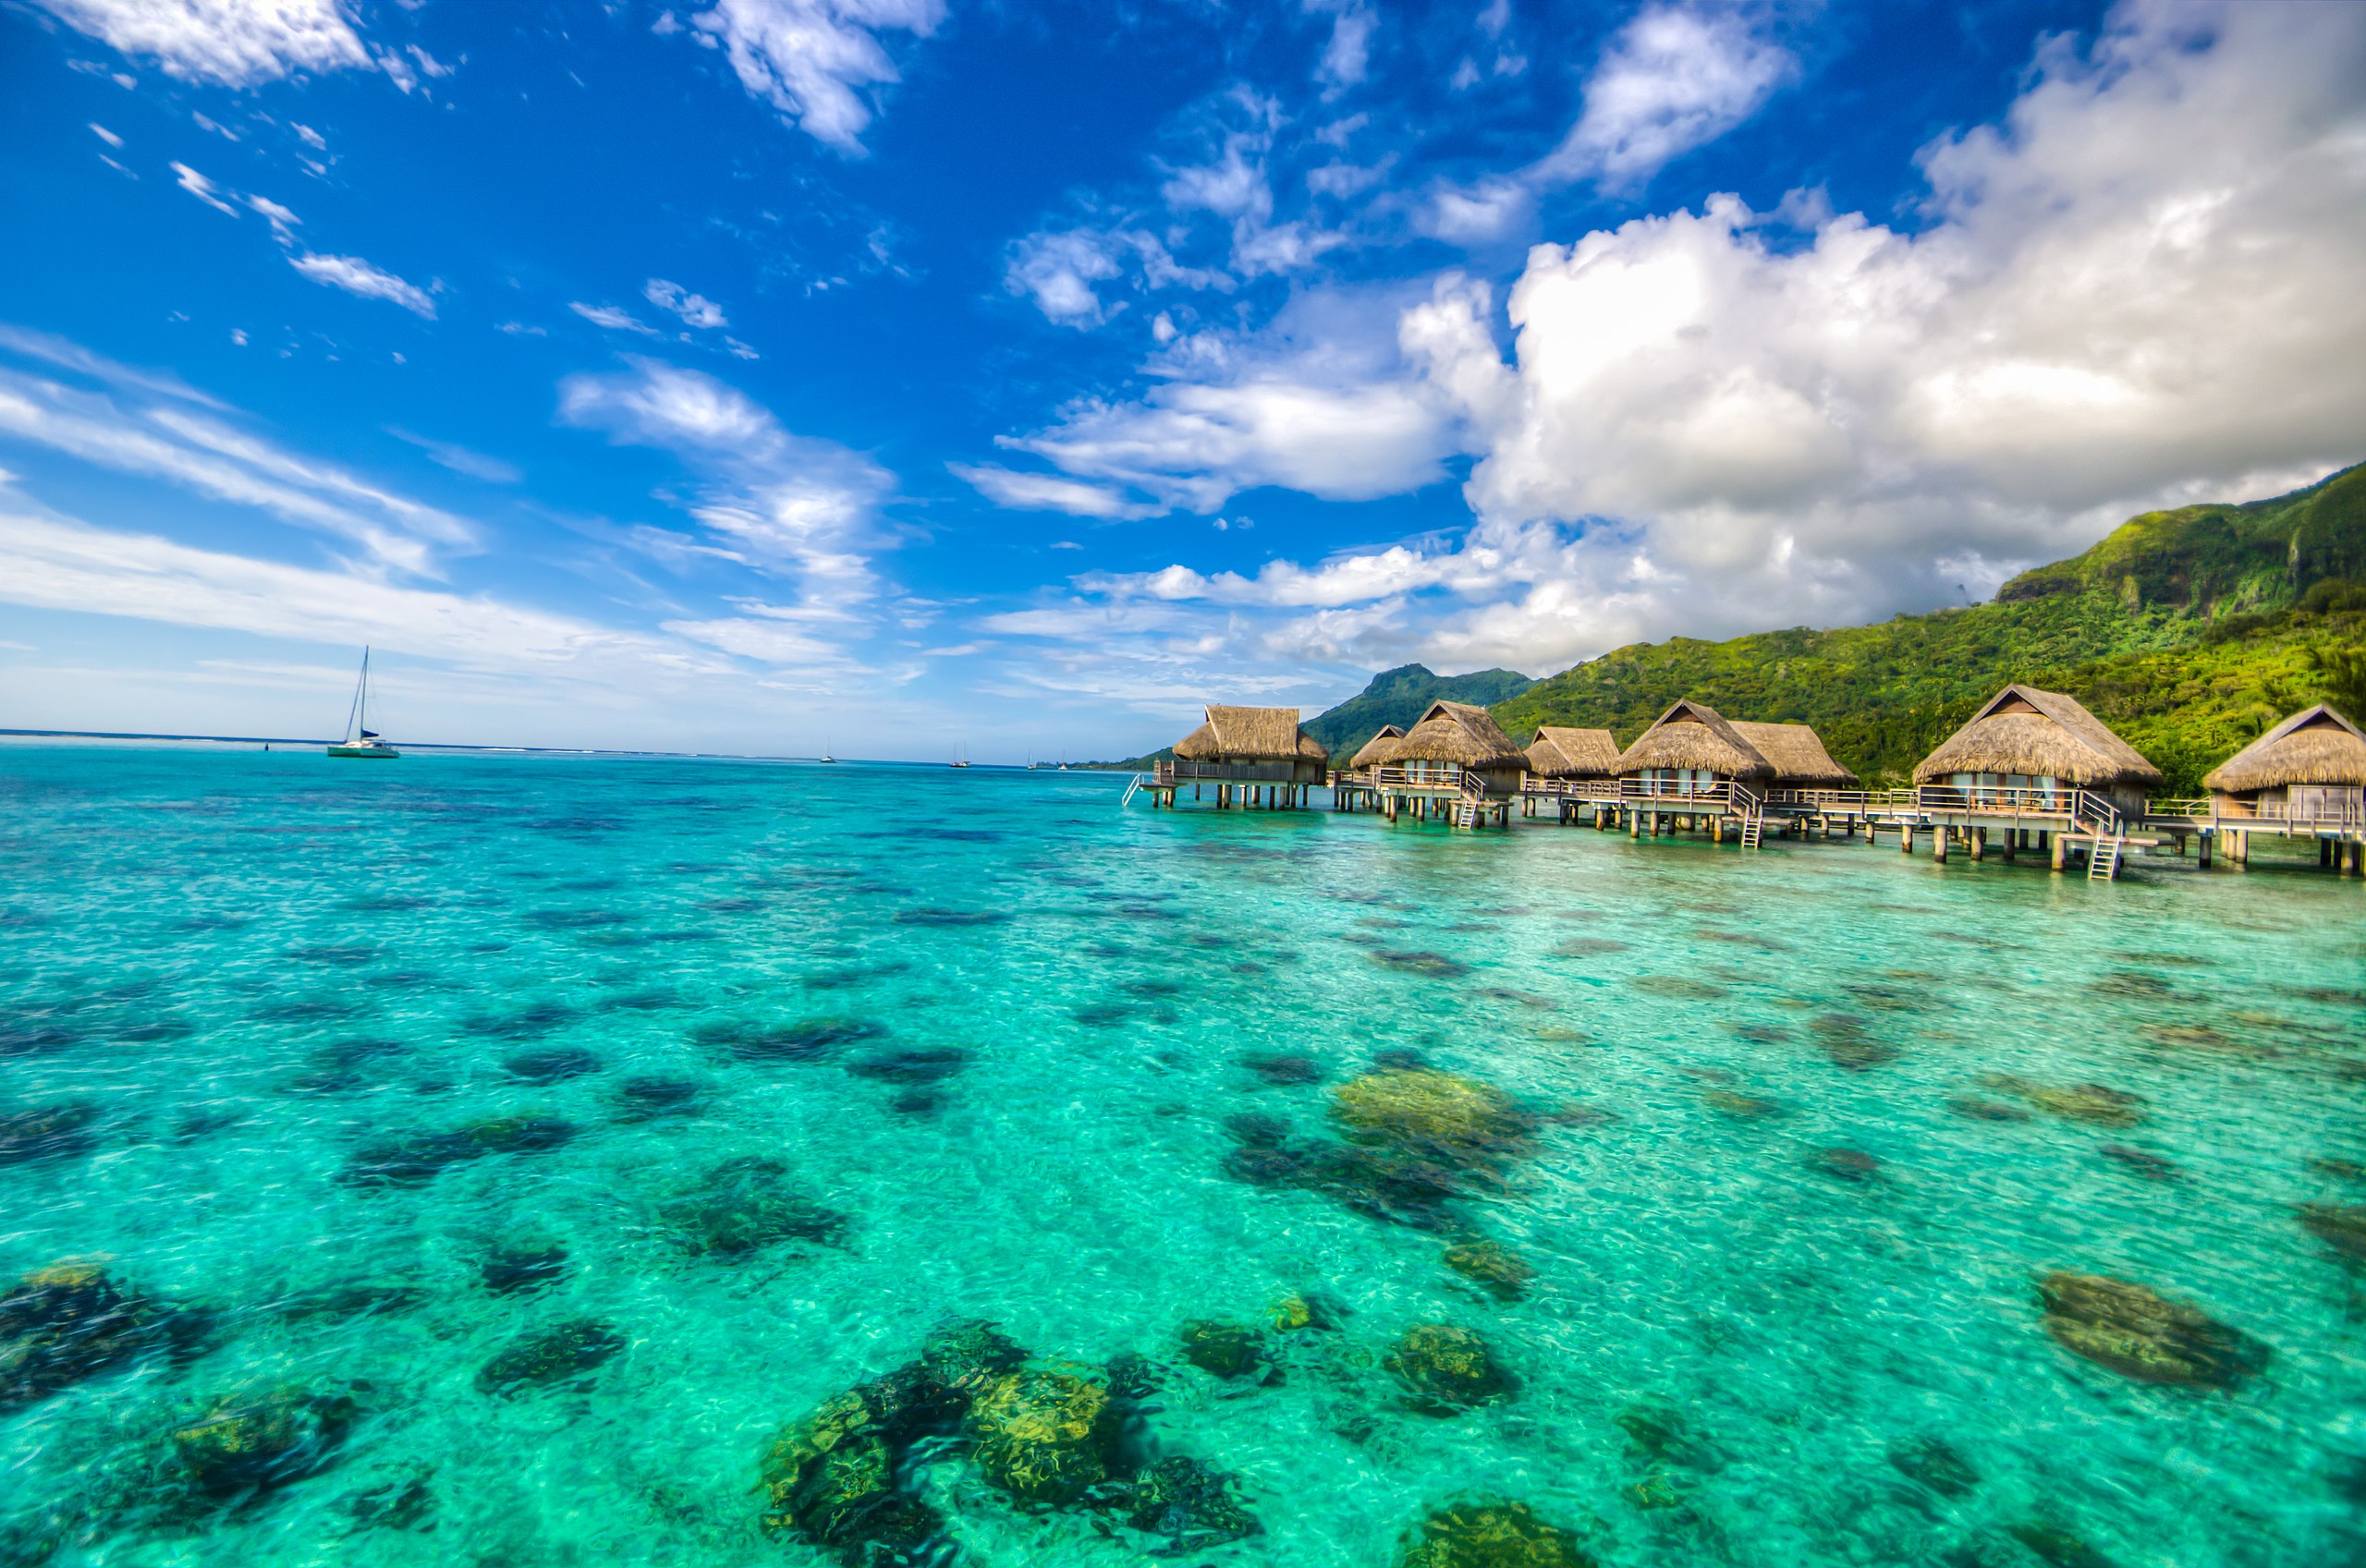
x,y
370,753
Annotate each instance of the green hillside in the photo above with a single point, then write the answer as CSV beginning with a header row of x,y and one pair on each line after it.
x,y
1398,696
2188,631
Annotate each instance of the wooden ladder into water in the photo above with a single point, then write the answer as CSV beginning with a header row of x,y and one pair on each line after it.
x,y
1753,816
1468,801
2102,864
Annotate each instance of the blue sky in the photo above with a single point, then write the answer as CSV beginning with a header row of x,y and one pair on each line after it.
x,y
900,375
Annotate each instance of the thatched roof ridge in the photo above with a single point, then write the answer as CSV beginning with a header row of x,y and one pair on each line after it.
x,y
2024,730
1378,749
1798,755
1458,731
2316,745
1693,734
1250,735
1560,752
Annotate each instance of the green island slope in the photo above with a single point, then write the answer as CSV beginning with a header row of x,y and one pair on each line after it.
x,y
1400,696
2188,631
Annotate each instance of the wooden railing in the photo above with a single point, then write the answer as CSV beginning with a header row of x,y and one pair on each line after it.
x,y
2335,813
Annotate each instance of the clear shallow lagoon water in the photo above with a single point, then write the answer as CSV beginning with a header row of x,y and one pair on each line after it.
x,y
265,970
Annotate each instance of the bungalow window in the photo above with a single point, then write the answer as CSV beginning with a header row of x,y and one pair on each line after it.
x,y
2033,792
1679,781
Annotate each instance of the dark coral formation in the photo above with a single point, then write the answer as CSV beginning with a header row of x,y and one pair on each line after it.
x,y
67,1323
1933,1462
2091,1103
1493,1265
246,1444
45,1132
2341,1227
515,1270
1445,1370
564,1353
1493,1535
745,1205
1227,1350
423,1157
551,1064
1051,1435
2144,1335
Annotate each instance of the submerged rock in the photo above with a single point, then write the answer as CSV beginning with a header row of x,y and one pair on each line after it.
x,y
1493,1265
1424,1109
551,1065
1932,1463
968,1355
1445,1369
2142,1162
2059,1548
1298,1310
45,1132
512,1271
1190,1504
834,1480
2145,1336
919,1066
62,1324
1285,1071
645,1099
2091,1103
1973,1109
1493,1535
252,1444
799,1042
747,1204
1045,1436
2341,1227
1745,1105
559,1353
1845,1164
1654,1431
1847,1044
1226,1350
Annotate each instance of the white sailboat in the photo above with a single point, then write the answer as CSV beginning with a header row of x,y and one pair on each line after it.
x,y
965,756
360,740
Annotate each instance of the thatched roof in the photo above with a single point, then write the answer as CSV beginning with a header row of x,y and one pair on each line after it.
x,y
1693,734
2316,745
1558,752
2023,730
1376,750
1250,735
1797,752
1458,731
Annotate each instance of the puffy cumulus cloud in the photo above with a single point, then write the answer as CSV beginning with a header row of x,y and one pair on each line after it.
x,y
228,43
2137,289
1674,78
359,277
814,59
1314,402
1059,272
791,505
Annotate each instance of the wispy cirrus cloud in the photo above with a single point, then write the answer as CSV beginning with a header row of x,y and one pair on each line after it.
x,y
191,441
801,509
364,279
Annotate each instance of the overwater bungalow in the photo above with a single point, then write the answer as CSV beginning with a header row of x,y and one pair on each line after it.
x,y
2306,776
1454,762
1257,758
1797,754
1692,750
1559,752
2025,748
1376,750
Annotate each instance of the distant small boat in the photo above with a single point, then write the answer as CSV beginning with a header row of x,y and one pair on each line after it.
x,y
964,760
826,756
360,740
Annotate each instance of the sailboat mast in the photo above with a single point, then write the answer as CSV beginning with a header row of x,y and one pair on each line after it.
x,y
361,698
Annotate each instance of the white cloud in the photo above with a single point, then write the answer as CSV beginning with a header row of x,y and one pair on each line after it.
x,y
1048,492
1674,78
204,190
283,223
229,43
1059,272
460,460
216,127
610,317
791,504
2138,289
110,138
813,60
311,138
1347,54
357,277
695,310
199,453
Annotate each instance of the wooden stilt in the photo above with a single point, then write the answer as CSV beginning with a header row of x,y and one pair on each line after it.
x,y
2061,851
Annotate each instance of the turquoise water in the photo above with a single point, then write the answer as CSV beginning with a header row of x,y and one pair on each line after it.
x,y
990,1032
